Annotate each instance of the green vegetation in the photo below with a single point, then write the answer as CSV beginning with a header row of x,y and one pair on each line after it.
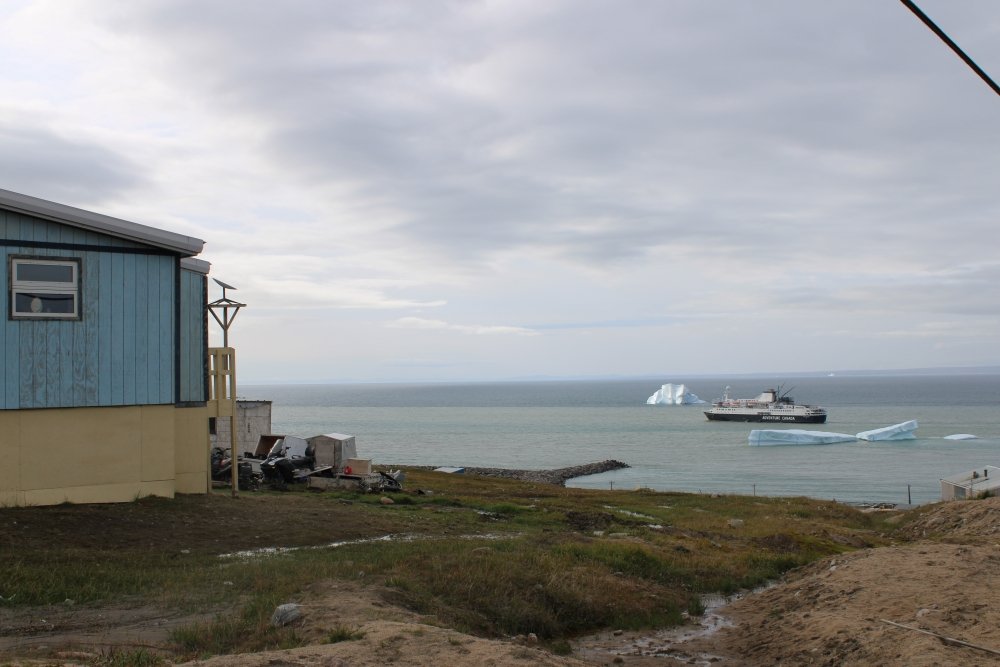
x,y
488,556
140,657
343,634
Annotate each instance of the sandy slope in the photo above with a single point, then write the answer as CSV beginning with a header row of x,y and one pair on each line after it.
x,y
388,635
834,612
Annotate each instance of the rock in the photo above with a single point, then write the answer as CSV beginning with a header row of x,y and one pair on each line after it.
x,y
285,614
386,500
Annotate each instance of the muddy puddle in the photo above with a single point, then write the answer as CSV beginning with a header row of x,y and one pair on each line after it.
x,y
684,644
264,552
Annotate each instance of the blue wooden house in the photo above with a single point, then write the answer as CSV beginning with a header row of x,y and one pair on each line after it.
x,y
103,388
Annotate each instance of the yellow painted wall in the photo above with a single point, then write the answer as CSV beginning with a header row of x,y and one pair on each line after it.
x,y
191,450
10,454
99,455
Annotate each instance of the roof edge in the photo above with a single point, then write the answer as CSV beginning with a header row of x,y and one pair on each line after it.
x,y
196,265
97,222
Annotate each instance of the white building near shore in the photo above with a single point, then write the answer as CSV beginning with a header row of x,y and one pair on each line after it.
x,y
971,484
253,419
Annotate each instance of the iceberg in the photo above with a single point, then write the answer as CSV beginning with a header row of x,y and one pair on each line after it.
x,y
673,394
961,436
902,431
796,436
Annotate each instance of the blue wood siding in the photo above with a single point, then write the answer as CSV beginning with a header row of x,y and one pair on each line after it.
x,y
10,374
193,323
122,350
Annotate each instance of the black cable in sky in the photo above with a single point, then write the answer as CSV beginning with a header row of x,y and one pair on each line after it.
x,y
954,47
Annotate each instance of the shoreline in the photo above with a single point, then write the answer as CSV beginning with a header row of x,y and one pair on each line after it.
x,y
559,477
556,476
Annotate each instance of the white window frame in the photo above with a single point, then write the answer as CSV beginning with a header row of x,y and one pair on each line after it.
x,y
43,287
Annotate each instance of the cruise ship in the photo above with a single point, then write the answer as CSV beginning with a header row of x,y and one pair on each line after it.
x,y
769,406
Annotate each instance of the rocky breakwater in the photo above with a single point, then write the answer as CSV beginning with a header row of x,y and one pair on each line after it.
x,y
557,476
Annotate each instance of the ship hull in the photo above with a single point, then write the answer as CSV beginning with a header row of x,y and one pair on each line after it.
x,y
765,418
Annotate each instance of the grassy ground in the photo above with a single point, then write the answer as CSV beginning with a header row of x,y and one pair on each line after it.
x,y
489,556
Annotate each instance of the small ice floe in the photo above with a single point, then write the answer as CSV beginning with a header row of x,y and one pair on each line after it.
x,y
796,436
901,431
961,436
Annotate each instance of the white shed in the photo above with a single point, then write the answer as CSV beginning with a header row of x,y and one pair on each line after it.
x,y
971,484
339,450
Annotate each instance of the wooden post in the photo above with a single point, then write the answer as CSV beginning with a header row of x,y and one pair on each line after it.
x,y
222,399
232,423
225,320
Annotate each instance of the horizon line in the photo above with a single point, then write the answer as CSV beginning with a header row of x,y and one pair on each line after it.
x,y
930,370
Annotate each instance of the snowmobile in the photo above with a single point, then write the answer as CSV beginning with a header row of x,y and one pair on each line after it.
x,y
290,460
222,466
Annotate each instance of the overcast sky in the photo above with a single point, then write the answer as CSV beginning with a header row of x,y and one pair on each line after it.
x,y
453,190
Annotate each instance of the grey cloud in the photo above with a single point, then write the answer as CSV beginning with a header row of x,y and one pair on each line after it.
x,y
44,164
957,292
654,321
764,116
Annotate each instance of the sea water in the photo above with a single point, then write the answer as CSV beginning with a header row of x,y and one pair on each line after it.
x,y
539,425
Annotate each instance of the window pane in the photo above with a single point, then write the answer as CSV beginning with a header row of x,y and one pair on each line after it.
x,y
27,303
45,273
